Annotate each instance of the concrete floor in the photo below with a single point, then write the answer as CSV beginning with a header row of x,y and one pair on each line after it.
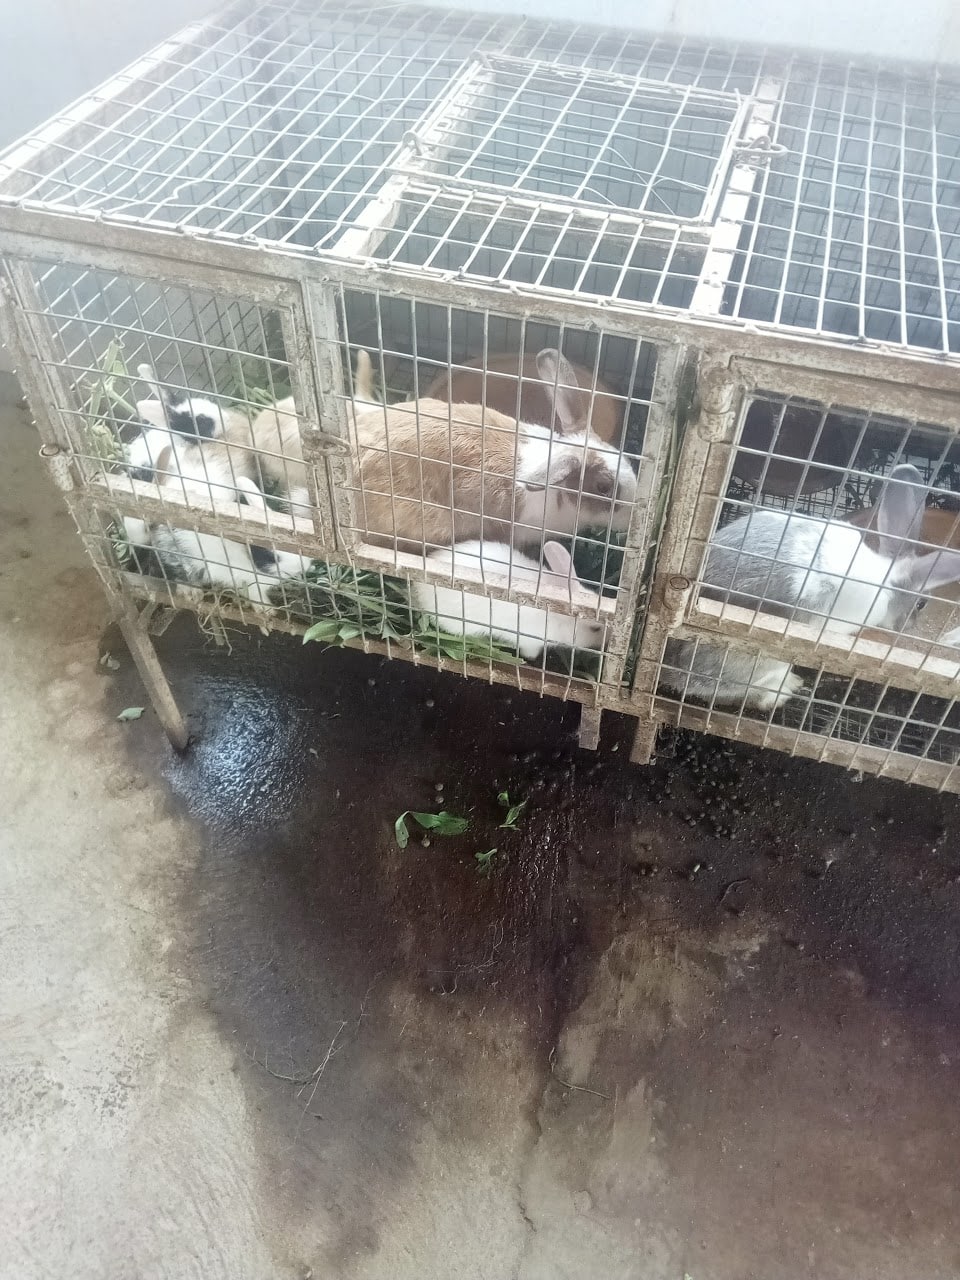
x,y
244,1036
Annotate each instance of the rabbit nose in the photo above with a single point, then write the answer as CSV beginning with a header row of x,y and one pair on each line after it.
x,y
599,481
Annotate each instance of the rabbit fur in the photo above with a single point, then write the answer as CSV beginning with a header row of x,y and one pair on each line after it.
x,y
810,570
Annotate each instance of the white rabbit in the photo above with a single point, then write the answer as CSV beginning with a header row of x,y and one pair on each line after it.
x,y
522,628
173,422
813,571
206,559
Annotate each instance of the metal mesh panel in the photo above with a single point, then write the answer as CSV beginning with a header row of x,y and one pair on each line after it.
x,y
280,124
857,224
833,550
182,407
482,238
536,130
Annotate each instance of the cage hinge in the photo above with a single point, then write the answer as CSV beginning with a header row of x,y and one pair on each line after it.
x,y
717,395
412,140
326,444
59,465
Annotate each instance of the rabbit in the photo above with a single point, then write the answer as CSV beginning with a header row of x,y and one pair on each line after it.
x,y
273,438
205,559
432,475
939,528
423,468
466,384
173,421
524,628
806,568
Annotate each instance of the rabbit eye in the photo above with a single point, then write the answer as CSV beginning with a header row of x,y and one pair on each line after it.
x,y
921,604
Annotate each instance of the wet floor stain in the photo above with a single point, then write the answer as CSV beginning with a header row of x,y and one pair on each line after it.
x,y
680,947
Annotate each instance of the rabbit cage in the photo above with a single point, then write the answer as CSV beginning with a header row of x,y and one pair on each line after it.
x,y
750,259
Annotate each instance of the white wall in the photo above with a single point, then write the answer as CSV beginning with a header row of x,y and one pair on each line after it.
x,y
52,51
926,30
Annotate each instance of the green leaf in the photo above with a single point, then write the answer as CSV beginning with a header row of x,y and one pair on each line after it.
x,y
131,713
349,632
513,813
326,629
445,824
400,830
503,799
484,860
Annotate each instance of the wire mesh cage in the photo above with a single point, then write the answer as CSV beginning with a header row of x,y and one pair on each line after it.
x,y
616,367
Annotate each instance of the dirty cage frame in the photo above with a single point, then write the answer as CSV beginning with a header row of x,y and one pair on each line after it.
x,y
710,366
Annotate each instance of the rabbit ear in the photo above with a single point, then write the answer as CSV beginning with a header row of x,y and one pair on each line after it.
x,y
146,374
250,494
924,574
558,560
900,510
570,403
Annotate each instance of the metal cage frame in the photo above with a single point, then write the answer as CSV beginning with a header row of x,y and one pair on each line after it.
x,y
708,365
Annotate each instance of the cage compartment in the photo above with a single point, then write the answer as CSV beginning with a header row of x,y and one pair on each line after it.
x,y
111,344
391,520
755,656
475,236
831,463
858,724
594,140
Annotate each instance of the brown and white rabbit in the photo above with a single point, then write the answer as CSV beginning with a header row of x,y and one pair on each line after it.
x,y
494,383
431,474
521,628
815,571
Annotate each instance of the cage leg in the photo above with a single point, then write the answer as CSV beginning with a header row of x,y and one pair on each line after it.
x,y
155,682
588,737
644,741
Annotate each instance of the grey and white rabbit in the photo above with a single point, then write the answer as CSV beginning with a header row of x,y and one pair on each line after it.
x,y
524,628
812,570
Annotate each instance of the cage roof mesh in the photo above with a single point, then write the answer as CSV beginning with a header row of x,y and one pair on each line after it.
x,y
547,156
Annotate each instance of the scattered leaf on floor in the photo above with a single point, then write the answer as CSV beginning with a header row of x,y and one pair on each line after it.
x,y
131,713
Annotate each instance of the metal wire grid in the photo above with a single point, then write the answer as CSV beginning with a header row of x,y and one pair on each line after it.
x,y
827,462
281,123
860,724
417,346
856,228
189,534
472,234
586,137
104,326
